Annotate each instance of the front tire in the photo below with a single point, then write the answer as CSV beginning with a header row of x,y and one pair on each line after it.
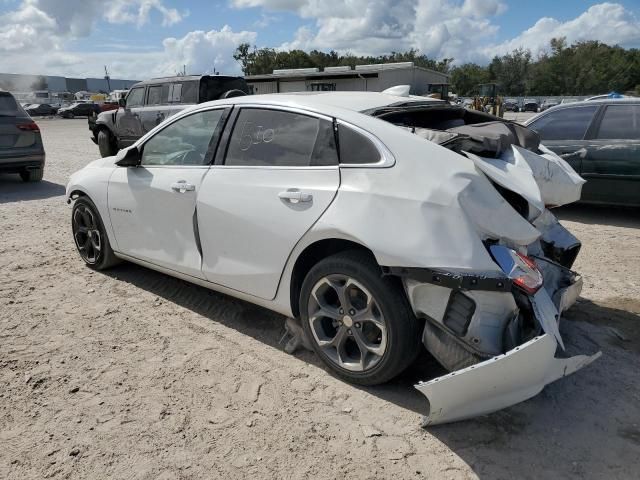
x,y
105,145
90,236
359,323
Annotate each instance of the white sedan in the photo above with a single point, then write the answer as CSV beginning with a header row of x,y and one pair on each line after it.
x,y
382,223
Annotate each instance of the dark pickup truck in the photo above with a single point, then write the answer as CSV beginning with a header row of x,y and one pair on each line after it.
x,y
150,102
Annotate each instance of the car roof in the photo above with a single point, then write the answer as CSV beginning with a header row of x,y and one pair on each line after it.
x,y
585,103
328,101
183,78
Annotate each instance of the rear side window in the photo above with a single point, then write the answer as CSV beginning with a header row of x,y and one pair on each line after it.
x,y
8,105
355,148
189,92
565,124
620,122
136,97
175,93
277,138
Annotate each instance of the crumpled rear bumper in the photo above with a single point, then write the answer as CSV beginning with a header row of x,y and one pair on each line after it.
x,y
499,382
512,377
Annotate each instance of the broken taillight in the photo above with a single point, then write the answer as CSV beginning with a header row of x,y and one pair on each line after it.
x,y
520,269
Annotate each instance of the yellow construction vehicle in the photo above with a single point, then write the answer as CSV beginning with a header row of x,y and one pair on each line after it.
x,y
438,90
488,100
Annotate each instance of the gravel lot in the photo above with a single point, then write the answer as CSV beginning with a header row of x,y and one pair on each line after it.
x,y
133,374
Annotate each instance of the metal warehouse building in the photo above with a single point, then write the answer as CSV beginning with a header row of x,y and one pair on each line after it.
x,y
28,83
373,78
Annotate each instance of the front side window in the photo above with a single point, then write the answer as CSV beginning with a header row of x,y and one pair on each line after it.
x,y
565,124
184,142
620,122
277,138
135,97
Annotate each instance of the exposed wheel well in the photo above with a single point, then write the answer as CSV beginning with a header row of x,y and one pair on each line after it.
x,y
312,255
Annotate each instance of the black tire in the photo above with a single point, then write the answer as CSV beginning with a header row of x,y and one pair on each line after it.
x,y
403,340
105,144
32,175
97,258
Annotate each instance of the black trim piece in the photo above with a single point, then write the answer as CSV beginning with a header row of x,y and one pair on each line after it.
x,y
453,280
459,311
217,134
196,231
223,144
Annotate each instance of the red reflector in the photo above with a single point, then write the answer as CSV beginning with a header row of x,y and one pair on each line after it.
x,y
28,127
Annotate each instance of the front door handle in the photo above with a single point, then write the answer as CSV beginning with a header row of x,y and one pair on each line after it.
x,y
293,195
182,186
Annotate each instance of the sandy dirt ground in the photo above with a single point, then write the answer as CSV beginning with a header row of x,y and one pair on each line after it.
x,y
131,374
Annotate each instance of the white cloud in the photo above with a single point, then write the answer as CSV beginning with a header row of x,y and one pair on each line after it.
x,y
202,51
609,23
463,29
45,25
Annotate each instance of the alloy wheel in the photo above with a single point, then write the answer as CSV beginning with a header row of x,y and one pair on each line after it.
x,y
347,323
86,234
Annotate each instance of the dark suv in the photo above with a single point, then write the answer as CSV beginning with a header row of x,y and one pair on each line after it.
x,y
148,103
21,149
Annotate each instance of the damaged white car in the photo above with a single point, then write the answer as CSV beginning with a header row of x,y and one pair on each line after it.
x,y
384,223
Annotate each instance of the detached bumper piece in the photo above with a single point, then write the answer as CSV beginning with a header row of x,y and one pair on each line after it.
x,y
499,382
510,378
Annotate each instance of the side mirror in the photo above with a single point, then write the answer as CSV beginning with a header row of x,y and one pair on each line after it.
x,y
130,157
122,102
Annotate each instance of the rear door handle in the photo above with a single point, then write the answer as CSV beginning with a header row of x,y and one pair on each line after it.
x,y
293,195
182,186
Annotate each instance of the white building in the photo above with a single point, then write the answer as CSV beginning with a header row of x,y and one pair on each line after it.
x,y
373,78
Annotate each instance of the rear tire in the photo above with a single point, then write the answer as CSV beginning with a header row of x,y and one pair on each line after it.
x,y
105,144
90,236
358,322
33,175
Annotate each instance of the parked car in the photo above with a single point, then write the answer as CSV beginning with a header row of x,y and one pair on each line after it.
x,y
40,109
601,140
383,223
108,106
79,109
150,102
547,104
511,105
529,105
568,100
21,149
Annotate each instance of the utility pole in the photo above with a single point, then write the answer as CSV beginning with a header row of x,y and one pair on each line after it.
x,y
107,78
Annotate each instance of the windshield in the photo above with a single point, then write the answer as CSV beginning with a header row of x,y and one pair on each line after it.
x,y
8,105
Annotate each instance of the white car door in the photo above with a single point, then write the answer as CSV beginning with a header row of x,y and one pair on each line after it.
x,y
280,173
152,206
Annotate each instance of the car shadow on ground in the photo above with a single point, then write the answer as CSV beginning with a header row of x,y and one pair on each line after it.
x,y
13,189
599,215
488,444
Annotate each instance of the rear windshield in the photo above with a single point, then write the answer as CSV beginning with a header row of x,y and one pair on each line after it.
x,y
8,105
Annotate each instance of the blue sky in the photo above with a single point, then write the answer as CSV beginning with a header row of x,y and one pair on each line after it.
x,y
139,38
